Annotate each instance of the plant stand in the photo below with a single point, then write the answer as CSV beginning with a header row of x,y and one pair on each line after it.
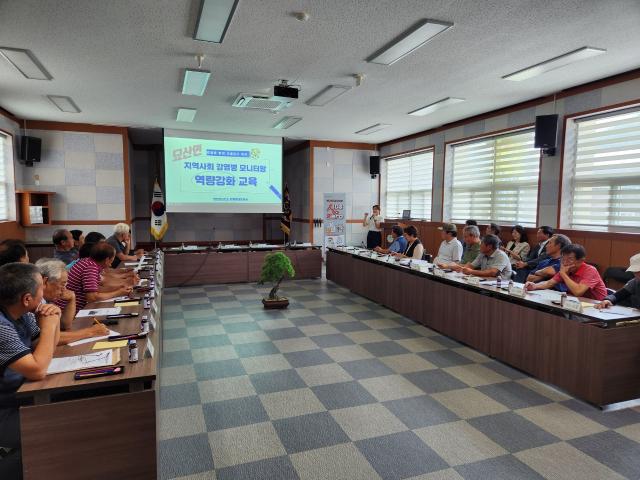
x,y
275,304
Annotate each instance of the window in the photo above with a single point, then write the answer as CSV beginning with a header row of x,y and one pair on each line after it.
x,y
409,183
494,179
7,192
601,178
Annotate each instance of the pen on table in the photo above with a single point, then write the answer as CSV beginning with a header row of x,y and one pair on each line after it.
x,y
97,322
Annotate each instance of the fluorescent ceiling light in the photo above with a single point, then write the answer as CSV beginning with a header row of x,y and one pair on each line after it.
x,y
421,112
26,63
65,104
327,95
186,114
409,41
287,122
373,128
214,19
195,82
556,62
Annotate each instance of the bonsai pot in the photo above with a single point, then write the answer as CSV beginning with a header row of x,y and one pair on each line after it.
x,y
274,304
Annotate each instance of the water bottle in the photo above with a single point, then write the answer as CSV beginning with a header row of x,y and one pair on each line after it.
x,y
510,286
133,351
498,281
362,245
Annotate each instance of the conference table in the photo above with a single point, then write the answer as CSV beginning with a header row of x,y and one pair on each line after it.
x,y
103,427
193,265
594,355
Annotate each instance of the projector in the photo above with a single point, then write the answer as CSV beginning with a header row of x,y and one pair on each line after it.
x,y
285,91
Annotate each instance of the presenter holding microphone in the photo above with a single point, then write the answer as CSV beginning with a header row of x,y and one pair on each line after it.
x,y
374,223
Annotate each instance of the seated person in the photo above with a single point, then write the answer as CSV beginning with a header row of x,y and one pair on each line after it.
x,y
84,278
397,245
575,275
28,336
469,223
13,251
492,229
518,248
450,250
548,267
110,278
121,241
64,246
471,237
629,295
78,239
414,247
491,262
537,254
54,277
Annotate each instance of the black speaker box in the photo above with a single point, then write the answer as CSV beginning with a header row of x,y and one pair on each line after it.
x,y
546,134
30,148
374,165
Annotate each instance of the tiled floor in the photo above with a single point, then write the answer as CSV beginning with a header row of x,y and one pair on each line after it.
x,y
336,387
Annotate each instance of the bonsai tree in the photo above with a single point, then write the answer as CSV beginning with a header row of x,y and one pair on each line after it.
x,y
275,267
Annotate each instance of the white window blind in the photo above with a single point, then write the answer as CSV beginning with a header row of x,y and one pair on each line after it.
x,y
605,170
409,185
494,179
5,187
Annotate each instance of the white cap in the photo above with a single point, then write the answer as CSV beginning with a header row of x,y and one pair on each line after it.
x,y
634,263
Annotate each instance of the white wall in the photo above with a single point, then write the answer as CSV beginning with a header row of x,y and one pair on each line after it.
x,y
337,170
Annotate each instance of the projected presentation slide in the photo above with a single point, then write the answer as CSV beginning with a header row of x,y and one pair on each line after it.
x,y
222,173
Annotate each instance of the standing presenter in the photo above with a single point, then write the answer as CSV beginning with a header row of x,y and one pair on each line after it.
x,y
374,224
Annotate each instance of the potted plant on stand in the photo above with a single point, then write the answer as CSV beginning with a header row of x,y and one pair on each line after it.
x,y
274,268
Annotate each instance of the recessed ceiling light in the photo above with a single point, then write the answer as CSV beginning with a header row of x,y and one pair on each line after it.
x,y
554,63
287,122
214,19
373,128
432,107
26,63
327,95
195,82
409,41
186,114
65,104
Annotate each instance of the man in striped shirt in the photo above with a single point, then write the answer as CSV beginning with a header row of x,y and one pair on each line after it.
x,y
29,332
84,277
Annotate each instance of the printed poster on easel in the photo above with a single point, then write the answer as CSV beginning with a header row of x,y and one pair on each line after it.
x,y
334,221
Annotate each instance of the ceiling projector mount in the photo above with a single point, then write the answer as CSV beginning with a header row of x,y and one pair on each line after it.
x,y
276,100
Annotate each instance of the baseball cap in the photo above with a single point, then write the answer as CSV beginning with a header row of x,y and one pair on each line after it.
x,y
448,227
634,263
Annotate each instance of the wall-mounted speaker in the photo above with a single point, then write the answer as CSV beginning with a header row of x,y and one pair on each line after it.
x,y
546,134
30,148
374,165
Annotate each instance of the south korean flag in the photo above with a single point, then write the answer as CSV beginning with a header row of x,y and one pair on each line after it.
x,y
159,222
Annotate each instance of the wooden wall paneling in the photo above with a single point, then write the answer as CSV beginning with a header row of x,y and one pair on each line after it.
x,y
11,230
112,436
622,250
254,265
598,252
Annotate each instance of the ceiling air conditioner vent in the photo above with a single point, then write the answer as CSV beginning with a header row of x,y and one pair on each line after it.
x,y
256,101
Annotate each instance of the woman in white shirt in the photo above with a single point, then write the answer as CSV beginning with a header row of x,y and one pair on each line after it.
x,y
374,223
414,249
518,248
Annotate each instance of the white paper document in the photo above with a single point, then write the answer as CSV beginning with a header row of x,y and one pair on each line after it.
x,y
98,312
101,358
92,339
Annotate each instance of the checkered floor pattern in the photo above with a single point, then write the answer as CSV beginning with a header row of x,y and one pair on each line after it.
x,y
337,387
